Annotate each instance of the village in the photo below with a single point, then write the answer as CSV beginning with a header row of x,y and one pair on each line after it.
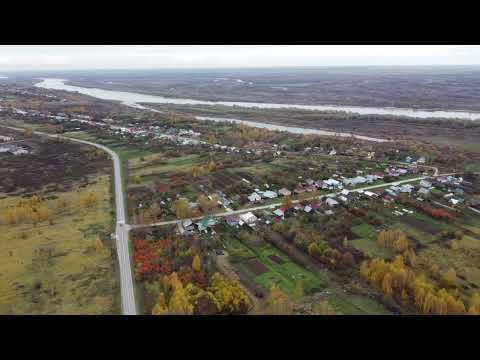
x,y
275,209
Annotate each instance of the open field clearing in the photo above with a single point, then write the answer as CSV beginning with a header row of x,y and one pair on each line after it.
x,y
266,265
58,266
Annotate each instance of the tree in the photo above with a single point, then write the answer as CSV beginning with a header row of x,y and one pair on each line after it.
x,y
205,204
298,292
287,203
160,307
99,245
89,200
323,308
137,179
474,308
229,296
179,303
196,263
314,250
450,277
278,303
181,208
28,132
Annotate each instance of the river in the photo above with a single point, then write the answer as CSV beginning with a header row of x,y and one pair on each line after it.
x,y
134,99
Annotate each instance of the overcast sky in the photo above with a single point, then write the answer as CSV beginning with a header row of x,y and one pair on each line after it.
x,y
69,57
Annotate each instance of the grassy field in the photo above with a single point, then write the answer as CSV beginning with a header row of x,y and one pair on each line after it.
x,y
286,273
367,243
55,268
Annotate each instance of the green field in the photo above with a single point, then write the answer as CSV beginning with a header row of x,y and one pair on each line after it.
x,y
287,275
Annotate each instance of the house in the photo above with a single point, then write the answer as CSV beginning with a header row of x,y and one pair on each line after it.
x,y
205,223
284,192
279,213
424,191
298,207
307,209
248,218
406,188
232,220
6,138
269,194
316,206
254,197
455,201
370,194
331,202
332,183
343,198
345,192
425,184
187,223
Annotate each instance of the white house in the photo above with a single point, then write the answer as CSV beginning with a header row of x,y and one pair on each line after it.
x,y
331,202
284,192
248,218
254,197
269,194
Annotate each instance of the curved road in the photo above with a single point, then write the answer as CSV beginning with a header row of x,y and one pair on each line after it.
x,y
121,231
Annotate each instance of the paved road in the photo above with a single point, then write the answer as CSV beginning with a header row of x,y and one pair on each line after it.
x,y
121,231
277,204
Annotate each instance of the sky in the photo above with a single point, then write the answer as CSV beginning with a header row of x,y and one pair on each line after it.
x,y
73,57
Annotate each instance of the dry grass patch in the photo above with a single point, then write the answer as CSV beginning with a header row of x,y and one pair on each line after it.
x,y
54,267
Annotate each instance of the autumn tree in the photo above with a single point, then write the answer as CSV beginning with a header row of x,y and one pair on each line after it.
x,y
395,240
28,132
323,308
99,245
229,296
287,203
450,277
161,307
182,209
298,291
205,204
196,263
179,303
474,308
278,303
89,200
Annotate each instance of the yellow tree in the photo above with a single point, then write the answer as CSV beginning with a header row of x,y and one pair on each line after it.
x,y
474,308
229,296
179,303
450,277
161,307
196,263
28,132
299,291
205,204
278,303
181,208
99,245
323,308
